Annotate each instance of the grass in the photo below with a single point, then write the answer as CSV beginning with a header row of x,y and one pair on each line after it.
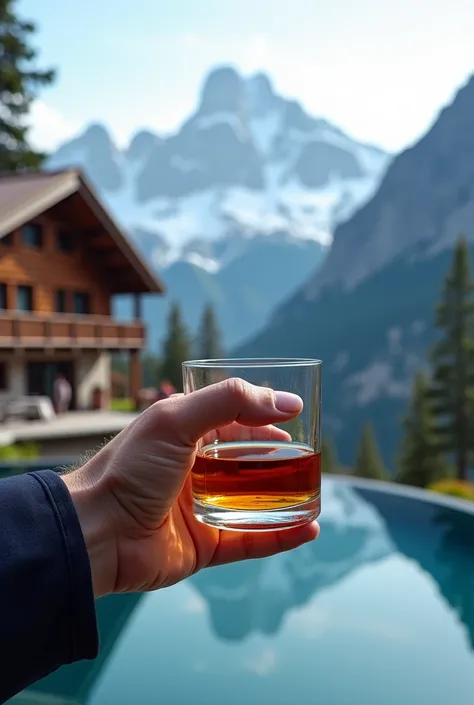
x,y
19,451
122,404
13,457
455,488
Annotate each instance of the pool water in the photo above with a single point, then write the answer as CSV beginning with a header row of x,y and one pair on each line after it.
x,y
378,611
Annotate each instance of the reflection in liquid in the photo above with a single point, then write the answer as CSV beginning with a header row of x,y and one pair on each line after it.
x,y
439,540
358,527
252,603
255,596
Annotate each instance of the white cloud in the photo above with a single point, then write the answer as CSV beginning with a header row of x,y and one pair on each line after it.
x,y
49,127
195,604
262,664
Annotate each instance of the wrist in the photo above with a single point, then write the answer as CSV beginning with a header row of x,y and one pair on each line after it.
x,y
97,531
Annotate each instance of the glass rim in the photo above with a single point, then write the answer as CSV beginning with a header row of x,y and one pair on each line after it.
x,y
254,362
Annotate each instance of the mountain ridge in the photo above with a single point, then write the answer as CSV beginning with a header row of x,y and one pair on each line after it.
x,y
247,159
368,312
248,172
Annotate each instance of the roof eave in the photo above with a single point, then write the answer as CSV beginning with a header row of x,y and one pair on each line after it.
x,y
20,214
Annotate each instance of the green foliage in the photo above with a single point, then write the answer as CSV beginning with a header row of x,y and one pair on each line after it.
x,y
20,80
369,462
329,461
19,451
176,349
420,462
452,356
13,455
454,488
125,404
208,344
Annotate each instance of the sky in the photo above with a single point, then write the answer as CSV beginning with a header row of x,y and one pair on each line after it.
x,y
379,70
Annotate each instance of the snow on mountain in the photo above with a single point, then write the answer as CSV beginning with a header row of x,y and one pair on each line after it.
x,y
248,162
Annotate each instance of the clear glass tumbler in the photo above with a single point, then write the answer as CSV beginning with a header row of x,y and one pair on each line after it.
x,y
263,478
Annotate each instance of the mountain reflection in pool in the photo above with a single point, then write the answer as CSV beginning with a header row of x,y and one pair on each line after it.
x,y
378,611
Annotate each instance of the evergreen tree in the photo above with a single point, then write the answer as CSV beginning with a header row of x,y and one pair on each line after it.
x,y
209,337
452,389
176,349
369,462
20,80
420,461
329,461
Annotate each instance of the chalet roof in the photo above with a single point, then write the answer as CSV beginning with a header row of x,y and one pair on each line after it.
x,y
26,196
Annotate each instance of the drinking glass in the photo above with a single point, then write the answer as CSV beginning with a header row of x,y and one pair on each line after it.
x,y
264,478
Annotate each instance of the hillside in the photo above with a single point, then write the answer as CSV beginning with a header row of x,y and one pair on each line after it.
x,y
368,314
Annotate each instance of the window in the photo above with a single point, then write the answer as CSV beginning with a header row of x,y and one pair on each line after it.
x,y
81,302
64,241
3,297
24,298
61,301
32,235
3,376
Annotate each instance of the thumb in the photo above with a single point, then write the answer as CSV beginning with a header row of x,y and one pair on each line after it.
x,y
187,418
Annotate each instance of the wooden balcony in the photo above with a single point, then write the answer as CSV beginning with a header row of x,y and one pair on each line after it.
x,y
31,330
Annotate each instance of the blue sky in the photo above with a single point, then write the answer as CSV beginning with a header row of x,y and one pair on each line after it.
x,y
380,70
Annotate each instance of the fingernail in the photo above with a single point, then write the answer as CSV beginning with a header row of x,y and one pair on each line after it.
x,y
287,402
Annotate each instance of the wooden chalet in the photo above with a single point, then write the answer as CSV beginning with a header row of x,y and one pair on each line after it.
x,y
62,259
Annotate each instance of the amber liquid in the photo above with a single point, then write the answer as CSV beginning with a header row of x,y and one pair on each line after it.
x,y
256,476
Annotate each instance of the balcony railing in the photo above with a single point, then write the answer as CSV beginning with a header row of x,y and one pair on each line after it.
x,y
31,330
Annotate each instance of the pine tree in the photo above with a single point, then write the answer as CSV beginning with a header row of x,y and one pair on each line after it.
x,y
176,349
452,389
20,80
369,462
209,338
420,461
329,461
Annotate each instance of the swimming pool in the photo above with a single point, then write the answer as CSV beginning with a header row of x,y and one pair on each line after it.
x,y
378,611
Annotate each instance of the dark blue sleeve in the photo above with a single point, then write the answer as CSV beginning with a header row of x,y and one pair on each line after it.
x,y
47,612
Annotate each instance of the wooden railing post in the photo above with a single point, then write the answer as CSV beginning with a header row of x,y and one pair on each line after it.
x,y
73,331
47,330
16,331
135,377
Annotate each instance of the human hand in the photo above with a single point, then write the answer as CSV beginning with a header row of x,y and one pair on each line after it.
x,y
134,499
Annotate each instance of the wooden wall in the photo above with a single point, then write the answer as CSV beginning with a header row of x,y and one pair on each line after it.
x,y
48,269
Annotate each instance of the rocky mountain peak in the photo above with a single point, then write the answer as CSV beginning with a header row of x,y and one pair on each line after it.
x,y
424,202
296,118
223,91
247,161
97,136
260,95
96,153
142,144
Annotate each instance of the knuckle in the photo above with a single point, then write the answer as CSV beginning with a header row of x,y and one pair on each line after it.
x,y
161,412
238,389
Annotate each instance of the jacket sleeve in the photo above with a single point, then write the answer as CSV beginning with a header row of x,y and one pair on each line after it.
x,y
47,612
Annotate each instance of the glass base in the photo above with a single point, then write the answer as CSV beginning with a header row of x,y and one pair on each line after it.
x,y
246,520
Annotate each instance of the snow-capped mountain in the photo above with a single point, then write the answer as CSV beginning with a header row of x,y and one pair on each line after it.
x,y
247,162
235,209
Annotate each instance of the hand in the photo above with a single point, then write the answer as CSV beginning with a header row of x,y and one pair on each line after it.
x,y
134,498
